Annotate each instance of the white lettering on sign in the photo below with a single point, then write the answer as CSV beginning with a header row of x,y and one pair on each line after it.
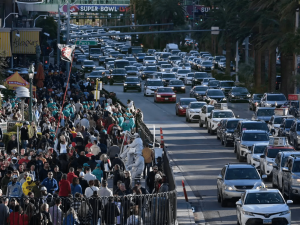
x,y
205,9
108,9
89,8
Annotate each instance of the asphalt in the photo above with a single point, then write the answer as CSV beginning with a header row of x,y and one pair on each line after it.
x,y
197,158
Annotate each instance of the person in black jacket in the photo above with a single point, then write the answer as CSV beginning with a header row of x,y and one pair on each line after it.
x,y
118,161
110,212
82,158
44,172
83,182
118,175
12,144
150,181
57,174
24,135
92,162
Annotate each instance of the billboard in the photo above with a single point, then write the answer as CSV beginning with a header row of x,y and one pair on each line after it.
x,y
29,1
97,8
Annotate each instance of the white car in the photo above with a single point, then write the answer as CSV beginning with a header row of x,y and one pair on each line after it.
x,y
253,157
193,110
151,85
263,206
215,117
188,78
149,60
206,80
204,113
182,73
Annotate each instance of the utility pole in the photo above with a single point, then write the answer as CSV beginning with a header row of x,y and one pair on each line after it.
x,y
237,61
247,49
58,36
68,35
296,56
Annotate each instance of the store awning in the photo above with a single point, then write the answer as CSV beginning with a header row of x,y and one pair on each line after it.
x,y
5,41
14,81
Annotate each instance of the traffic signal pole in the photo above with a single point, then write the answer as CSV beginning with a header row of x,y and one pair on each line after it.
x,y
68,35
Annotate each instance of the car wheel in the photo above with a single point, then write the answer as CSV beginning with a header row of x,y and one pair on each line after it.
x,y
106,82
206,124
234,149
290,194
274,185
237,155
211,131
186,119
295,145
200,123
124,90
241,158
223,202
222,141
111,83
140,90
176,112
229,100
282,189
225,142
218,196
208,131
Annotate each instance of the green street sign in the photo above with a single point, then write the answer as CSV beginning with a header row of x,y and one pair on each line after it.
x,y
86,43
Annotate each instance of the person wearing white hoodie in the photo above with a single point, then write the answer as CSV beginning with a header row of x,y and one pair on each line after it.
x,y
137,144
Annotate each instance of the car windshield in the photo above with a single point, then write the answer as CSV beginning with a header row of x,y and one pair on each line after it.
x,y
164,90
132,79
201,75
206,63
296,167
96,73
255,137
154,83
276,98
255,126
127,68
119,71
88,63
141,54
288,123
226,84
278,120
242,174
257,97
149,58
150,69
130,59
168,75
242,90
175,58
232,124
298,126
215,93
259,198
186,101
208,79
166,66
190,75
223,115
176,82
272,152
200,88
183,71
81,56
259,149
265,112
197,105
213,83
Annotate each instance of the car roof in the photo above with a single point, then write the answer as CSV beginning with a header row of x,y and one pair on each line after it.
x,y
153,79
254,131
239,165
261,190
197,102
287,153
252,121
222,110
187,99
200,86
280,147
257,108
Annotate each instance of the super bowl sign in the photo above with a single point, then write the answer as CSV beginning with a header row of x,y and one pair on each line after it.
x,y
96,8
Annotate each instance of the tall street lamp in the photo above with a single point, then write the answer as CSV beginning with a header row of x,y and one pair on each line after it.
x,y
39,17
30,75
8,16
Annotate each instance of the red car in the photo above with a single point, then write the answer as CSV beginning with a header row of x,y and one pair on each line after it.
x,y
164,95
181,106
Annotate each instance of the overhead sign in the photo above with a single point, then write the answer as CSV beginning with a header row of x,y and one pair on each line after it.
x,y
96,8
86,43
30,1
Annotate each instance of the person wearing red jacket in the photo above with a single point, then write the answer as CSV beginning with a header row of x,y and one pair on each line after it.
x,y
71,175
64,186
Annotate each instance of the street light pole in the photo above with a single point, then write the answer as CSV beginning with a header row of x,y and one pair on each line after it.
x,y
30,75
68,35
8,16
39,17
58,35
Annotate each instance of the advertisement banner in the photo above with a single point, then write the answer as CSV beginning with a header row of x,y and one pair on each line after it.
x,y
97,8
25,42
29,1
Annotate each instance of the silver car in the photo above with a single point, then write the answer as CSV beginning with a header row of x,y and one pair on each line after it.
x,y
273,100
235,179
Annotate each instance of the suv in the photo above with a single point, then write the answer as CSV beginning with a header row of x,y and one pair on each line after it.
x,y
290,177
132,83
151,85
285,126
117,75
279,163
198,78
273,100
215,117
253,157
267,160
247,139
214,94
226,85
198,92
275,122
204,113
234,180
166,77
263,113
226,131
193,110
294,135
88,65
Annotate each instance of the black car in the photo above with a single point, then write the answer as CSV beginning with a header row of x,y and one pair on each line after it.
x,y
285,127
226,85
239,94
198,78
213,84
88,65
147,71
198,92
132,83
226,131
117,76
215,94
177,86
140,57
206,66
166,77
254,101
131,70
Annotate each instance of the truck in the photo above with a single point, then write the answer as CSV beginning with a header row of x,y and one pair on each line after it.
x,y
171,46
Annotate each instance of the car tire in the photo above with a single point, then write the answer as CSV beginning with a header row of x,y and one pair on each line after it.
x,y
176,112
225,142
218,196
140,90
218,138
237,155
222,141
273,183
234,149
211,131
111,83
206,124
208,131
200,123
223,202
295,145
241,158
282,189
186,119
124,90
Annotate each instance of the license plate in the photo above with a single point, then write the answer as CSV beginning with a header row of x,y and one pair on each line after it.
x,y
166,98
267,221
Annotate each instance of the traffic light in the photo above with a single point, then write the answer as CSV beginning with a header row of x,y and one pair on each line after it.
x,y
48,50
187,18
201,18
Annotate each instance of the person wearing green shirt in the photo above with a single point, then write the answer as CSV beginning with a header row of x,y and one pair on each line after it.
x,y
126,126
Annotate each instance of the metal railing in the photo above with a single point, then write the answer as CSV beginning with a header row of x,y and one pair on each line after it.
x,y
89,2
150,209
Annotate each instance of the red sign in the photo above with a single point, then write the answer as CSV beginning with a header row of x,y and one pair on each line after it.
x,y
292,97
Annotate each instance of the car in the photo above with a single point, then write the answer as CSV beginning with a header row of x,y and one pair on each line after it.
x,y
193,110
188,78
151,86
88,65
226,131
174,60
186,66
226,85
198,78
279,163
214,94
206,81
177,86
151,51
131,60
165,68
203,114
285,126
132,83
273,100
234,180
213,84
182,73
253,157
247,139
180,107
131,70
81,58
99,74
294,134
275,122
216,59
198,92
140,57
174,70
117,76
290,178
206,66
267,160
263,113
263,206
215,117
239,94
166,77
149,60
254,101
164,94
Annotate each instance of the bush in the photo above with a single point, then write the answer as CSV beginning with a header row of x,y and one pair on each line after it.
x,y
220,76
7,137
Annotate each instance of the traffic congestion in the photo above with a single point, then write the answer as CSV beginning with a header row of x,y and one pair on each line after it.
x,y
264,135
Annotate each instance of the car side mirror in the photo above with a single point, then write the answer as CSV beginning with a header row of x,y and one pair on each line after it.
x,y
264,176
239,203
289,202
238,116
262,156
285,169
219,177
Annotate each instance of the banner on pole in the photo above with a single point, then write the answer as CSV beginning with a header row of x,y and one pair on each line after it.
x,y
66,52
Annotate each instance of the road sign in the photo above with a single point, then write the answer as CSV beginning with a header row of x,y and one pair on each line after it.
x,y
86,43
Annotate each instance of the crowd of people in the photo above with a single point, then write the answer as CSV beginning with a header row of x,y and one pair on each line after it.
x,y
88,166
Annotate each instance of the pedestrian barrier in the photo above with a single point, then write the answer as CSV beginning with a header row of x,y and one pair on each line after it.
x,y
162,143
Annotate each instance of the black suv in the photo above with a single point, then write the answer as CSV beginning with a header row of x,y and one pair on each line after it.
x,y
117,75
226,85
226,130
198,78
294,134
132,83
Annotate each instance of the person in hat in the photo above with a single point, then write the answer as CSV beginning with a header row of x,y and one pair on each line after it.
x,y
138,184
14,188
24,134
28,185
98,172
5,181
83,182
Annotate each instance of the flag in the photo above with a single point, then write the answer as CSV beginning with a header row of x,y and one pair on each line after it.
x,y
66,52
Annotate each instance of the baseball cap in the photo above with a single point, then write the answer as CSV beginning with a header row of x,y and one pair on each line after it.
x,y
14,158
81,174
85,165
43,189
98,165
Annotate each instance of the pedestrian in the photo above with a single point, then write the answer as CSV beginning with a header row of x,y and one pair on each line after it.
x,y
148,155
50,183
56,213
88,176
110,212
98,172
90,190
71,175
76,187
118,175
64,187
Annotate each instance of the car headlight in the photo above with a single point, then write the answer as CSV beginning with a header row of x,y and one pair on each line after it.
x,y
229,188
248,95
83,66
125,84
223,89
259,186
244,146
138,84
270,163
94,67
285,212
173,96
158,96
182,87
111,76
232,95
296,181
228,134
268,104
196,94
163,69
192,110
196,80
224,99
180,107
247,213
163,80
